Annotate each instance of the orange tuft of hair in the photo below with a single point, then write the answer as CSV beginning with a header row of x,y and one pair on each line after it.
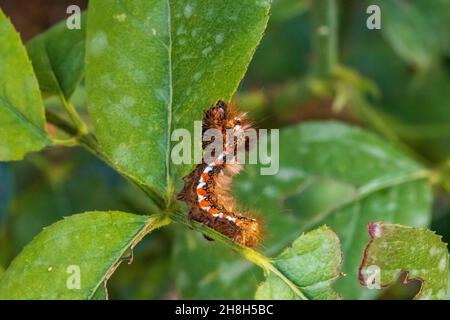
x,y
213,204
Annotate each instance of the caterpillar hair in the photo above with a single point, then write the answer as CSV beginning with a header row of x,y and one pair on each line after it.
x,y
207,189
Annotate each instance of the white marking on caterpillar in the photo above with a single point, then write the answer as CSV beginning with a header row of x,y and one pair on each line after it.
x,y
207,193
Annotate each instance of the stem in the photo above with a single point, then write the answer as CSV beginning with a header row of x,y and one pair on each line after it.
x,y
80,125
71,142
441,175
325,26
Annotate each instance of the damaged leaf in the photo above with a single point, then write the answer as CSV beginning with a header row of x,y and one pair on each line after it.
x,y
394,249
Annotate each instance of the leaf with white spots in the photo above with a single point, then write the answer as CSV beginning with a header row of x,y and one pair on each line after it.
x,y
153,66
74,257
312,263
329,173
22,121
394,249
448,281
342,176
57,56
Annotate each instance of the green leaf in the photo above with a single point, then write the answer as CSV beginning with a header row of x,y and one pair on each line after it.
x,y
394,249
404,93
448,281
92,242
330,173
427,128
287,9
21,109
149,276
57,56
438,16
224,275
342,176
409,32
75,185
312,263
100,294
154,66
2,271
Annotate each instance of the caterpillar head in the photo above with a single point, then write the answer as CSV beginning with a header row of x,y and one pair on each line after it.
x,y
216,116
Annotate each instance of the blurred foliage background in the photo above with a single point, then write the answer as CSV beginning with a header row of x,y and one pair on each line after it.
x,y
394,81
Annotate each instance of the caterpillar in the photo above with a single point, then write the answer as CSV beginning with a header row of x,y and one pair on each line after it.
x,y
207,188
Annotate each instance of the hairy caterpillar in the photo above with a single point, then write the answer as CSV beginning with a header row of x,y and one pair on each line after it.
x,y
207,189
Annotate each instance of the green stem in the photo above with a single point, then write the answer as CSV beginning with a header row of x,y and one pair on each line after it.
x,y
81,126
71,142
441,175
325,47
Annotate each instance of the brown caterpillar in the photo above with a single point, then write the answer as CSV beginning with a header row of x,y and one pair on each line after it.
x,y
207,189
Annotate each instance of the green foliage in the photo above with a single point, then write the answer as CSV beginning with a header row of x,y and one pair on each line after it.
x,y
413,94
227,276
323,180
93,242
58,58
407,31
419,252
341,176
184,57
155,66
312,263
287,9
6,191
21,108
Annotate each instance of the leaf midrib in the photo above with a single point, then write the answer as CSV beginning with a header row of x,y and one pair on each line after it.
x,y
360,193
169,105
366,190
52,67
24,120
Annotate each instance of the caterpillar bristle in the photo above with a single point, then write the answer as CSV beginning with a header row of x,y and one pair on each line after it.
x,y
207,189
